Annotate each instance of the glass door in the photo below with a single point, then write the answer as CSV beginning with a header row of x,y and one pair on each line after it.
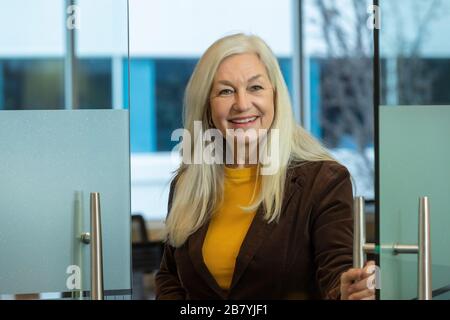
x,y
64,135
413,150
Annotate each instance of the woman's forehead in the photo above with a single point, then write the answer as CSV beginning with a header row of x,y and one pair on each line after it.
x,y
245,66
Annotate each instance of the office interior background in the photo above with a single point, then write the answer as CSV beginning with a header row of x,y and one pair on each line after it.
x,y
138,55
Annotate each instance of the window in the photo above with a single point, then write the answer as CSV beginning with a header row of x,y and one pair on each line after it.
x,y
39,83
34,55
338,72
415,60
32,83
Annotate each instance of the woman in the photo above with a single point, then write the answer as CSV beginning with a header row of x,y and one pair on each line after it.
x,y
234,232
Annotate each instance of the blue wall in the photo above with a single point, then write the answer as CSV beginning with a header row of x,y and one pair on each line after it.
x,y
314,86
143,104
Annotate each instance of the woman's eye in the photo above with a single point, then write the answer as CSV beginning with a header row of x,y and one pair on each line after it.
x,y
225,92
256,88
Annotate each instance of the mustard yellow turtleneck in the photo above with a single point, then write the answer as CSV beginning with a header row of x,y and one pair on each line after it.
x,y
230,224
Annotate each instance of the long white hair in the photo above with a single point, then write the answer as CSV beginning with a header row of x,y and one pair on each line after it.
x,y
199,187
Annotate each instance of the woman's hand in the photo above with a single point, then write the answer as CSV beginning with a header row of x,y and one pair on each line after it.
x,y
357,284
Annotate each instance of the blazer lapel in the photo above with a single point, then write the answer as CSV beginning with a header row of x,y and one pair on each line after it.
x,y
259,231
195,246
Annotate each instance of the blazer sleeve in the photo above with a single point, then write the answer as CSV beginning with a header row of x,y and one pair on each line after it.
x,y
333,229
167,282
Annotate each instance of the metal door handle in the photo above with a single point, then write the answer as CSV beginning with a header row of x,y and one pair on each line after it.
x,y
96,249
425,284
360,247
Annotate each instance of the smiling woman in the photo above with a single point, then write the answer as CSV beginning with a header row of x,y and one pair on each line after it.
x,y
242,95
231,226
242,98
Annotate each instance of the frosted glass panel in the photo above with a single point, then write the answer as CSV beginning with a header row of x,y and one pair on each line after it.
x,y
414,161
50,162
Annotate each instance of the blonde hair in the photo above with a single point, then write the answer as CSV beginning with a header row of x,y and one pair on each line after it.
x,y
199,187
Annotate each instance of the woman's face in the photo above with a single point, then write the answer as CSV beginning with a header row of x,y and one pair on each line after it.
x,y
242,96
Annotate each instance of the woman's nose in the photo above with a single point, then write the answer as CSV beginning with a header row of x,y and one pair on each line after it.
x,y
242,102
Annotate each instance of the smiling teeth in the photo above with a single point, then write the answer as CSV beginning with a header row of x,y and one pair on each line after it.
x,y
244,120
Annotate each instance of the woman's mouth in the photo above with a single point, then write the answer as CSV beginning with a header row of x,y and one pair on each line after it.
x,y
243,122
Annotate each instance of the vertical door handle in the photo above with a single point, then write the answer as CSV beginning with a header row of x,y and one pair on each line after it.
x,y
96,249
360,247
424,259
423,249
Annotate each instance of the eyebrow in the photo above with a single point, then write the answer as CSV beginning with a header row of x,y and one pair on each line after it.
x,y
228,83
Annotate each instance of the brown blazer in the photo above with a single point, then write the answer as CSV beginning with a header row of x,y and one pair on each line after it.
x,y
300,257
